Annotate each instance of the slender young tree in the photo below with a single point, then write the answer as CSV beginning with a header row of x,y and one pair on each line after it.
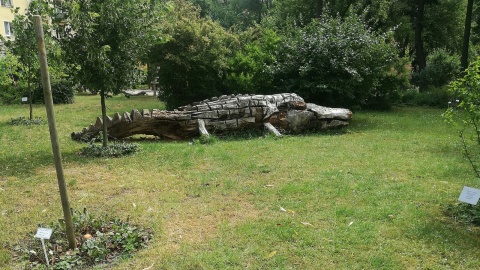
x,y
103,44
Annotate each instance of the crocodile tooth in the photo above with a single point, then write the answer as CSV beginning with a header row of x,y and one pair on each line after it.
x,y
116,118
126,117
109,121
146,113
136,115
98,123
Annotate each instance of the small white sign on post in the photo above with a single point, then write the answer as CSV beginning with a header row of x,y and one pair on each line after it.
x,y
44,233
24,99
469,195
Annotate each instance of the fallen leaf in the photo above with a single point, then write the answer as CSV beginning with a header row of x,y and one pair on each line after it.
x,y
271,254
349,224
149,267
307,224
283,209
268,185
134,205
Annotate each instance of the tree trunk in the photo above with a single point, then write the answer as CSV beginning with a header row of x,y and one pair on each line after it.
x,y
420,61
104,118
260,9
466,34
319,9
30,97
403,48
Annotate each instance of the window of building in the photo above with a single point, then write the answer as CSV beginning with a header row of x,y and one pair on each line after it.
x,y
8,28
6,3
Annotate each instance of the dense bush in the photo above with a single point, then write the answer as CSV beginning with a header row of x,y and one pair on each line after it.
x,y
62,93
441,69
432,97
248,73
340,63
10,94
194,59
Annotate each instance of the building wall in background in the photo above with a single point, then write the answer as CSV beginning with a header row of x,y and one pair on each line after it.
x,y
7,15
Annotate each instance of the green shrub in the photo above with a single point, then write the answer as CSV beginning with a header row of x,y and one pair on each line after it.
x,y
115,149
62,93
203,139
432,97
337,62
441,69
10,94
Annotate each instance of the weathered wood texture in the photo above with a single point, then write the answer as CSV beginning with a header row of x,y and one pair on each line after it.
x,y
286,111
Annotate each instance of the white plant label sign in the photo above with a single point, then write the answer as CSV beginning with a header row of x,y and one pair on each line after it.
x,y
24,99
44,233
469,195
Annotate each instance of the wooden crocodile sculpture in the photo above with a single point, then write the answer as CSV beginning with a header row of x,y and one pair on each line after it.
x,y
286,111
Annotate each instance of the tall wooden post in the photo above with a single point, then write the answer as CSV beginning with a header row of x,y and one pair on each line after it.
x,y
47,92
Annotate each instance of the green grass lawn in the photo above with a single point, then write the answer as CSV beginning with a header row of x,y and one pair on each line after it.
x,y
371,197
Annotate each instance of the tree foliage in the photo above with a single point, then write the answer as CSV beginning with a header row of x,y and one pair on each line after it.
x,y
193,62
102,44
338,62
249,66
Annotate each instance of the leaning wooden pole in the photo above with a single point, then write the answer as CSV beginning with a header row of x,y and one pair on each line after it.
x,y
47,91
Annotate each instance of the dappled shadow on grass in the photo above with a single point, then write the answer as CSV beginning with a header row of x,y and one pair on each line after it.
x,y
14,165
445,235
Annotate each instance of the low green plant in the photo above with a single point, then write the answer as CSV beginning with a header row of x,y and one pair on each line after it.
x,y
22,121
204,139
116,149
437,97
101,239
464,213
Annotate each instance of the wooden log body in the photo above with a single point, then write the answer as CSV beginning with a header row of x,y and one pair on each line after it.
x,y
286,111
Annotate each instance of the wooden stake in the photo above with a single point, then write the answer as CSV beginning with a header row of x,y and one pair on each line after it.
x,y
47,91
